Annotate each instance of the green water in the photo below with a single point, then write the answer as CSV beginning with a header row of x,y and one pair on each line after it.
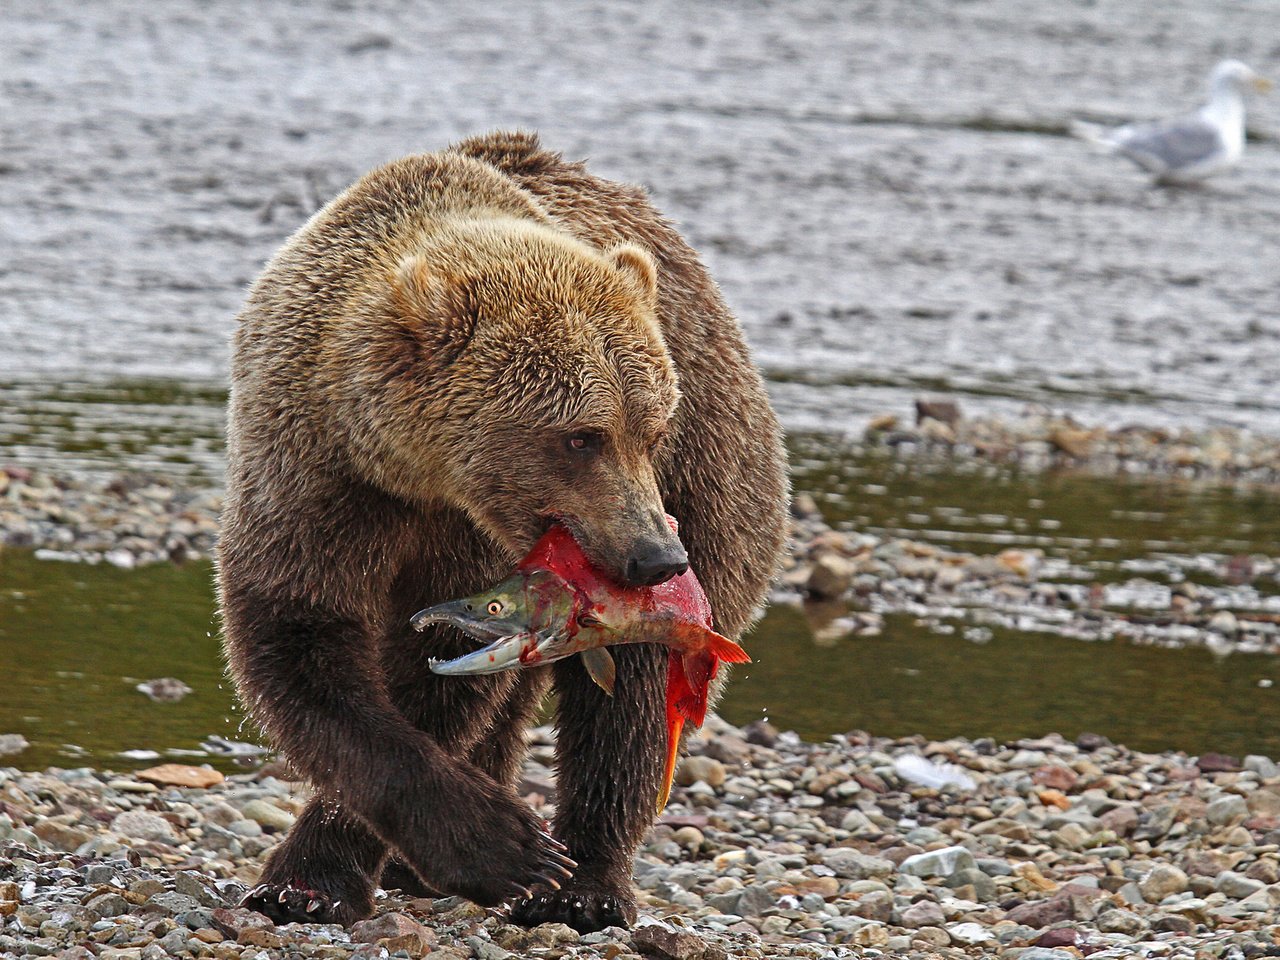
x,y
75,639
910,680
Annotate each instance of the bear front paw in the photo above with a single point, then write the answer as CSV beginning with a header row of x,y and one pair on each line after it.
x,y
285,903
585,912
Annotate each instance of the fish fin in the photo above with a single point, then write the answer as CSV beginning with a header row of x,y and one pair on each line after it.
x,y
686,690
695,636
676,691
722,648
600,666
674,725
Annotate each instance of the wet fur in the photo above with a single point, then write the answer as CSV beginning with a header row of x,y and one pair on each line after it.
x,y
384,457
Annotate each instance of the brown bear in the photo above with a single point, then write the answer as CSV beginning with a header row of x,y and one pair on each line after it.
x,y
459,350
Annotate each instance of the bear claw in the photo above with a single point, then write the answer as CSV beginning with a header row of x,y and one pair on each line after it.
x,y
585,913
290,904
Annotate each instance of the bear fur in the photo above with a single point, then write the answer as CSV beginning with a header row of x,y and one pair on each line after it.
x,y
460,349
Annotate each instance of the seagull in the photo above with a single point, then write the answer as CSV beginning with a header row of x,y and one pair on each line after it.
x,y
1190,148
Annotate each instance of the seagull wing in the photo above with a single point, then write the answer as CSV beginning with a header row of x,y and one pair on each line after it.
x,y
1171,146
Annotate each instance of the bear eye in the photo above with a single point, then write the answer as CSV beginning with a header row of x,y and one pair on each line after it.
x,y
584,442
494,608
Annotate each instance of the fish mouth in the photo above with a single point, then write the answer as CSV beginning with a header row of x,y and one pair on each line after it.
x,y
507,653
458,613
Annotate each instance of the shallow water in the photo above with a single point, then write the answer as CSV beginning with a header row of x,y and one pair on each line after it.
x,y
881,189
76,639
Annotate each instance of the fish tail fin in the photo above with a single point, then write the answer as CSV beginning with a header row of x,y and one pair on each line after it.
x,y
675,724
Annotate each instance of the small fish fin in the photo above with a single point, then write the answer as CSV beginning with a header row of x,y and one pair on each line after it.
x,y
600,665
722,648
694,636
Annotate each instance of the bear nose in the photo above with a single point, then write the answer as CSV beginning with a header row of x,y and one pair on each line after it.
x,y
656,564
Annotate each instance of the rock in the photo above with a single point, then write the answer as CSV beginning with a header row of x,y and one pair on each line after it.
x,y
1264,767
831,576
1227,810
657,939
1225,622
142,825
924,913
108,905
943,411
1162,881
11,743
761,732
754,900
938,863
1237,886
1058,937
173,903
1267,870
1155,823
853,865
1121,921
984,888
1172,923
181,775
164,689
694,768
268,815
198,887
1041,913
389,926
1055,776
1217,763
1121,820
233,921
856,822
969,934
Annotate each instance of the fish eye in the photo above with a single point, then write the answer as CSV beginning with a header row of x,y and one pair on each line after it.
x,y
494,608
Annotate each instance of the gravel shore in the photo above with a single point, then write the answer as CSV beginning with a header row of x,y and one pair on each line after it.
x,y
136,519
1040,439
771,847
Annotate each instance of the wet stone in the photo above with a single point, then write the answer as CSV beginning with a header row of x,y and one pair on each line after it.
x,y
142,825
938,863
854,865
1162,881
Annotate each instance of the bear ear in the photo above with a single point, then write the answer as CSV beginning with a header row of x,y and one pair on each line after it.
x,y
637,263
433,306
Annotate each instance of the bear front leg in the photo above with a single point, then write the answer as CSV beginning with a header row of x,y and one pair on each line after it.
x,y
312,684
323,871
609,751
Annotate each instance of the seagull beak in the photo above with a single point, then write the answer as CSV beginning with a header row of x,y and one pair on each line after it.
x,y
1261,84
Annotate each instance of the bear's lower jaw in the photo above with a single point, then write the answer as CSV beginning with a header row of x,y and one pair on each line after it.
x,y
585,911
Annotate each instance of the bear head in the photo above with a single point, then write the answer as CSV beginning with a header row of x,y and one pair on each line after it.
x,y
520,375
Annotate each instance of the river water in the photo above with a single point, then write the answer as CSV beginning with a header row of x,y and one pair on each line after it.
x,y
882,189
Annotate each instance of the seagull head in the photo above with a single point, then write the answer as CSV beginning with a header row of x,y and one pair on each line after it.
x,y
1234,75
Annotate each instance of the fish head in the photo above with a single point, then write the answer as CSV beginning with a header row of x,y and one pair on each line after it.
x,y
526,603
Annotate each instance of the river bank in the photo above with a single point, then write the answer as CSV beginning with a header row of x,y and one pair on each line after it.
x,y
771,847
851,574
